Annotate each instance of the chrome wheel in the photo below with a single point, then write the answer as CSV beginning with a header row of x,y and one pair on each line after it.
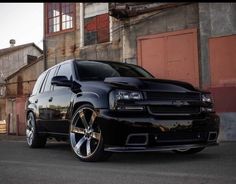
x,y
34,139
85,134
30,129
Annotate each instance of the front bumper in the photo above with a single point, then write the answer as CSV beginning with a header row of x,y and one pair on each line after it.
x,y
157,148
131,132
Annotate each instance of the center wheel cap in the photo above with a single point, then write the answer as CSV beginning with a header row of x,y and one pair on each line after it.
x,y
88,132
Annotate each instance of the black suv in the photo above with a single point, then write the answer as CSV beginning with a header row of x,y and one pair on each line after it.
x,y
104,107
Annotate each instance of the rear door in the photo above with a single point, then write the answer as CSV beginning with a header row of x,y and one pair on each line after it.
x,y
45,111
59,102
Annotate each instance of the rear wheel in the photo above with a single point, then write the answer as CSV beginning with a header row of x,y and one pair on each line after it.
x,y
34,140
189,151
86,136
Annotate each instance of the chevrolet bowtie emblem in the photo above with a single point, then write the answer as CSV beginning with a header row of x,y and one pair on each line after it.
x,y
179,103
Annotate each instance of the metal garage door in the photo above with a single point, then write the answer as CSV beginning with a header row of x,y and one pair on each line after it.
x,y
222,53
171,55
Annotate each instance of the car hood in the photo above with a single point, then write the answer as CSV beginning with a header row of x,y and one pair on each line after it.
x,y
147,84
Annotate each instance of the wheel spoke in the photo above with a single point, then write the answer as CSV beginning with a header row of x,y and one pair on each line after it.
x,y
82,117
27,132
79,144
94,115
96,135
72,138
88,147
30,135
28,122
77,130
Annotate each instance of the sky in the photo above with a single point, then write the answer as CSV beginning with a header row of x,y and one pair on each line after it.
x,y
22,22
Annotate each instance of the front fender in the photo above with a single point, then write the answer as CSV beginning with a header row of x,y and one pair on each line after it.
x,y
99,101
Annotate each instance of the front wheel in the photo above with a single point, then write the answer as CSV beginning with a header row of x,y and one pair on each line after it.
x,y
85,135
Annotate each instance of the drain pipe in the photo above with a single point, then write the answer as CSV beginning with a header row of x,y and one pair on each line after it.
x,y
123,43
45,54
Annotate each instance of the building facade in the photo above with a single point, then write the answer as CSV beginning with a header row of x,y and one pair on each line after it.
x,y
17,93
15,88
15,57
192,42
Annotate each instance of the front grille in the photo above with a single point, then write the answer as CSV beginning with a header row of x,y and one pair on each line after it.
x,y
172,108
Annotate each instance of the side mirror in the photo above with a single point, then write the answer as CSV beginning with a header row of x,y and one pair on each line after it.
x,y
61,81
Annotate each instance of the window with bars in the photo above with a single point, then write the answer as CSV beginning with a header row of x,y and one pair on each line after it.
x,y
60,17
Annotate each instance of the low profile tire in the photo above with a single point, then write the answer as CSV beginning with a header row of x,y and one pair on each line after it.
x,y
189,151
85,135
34,140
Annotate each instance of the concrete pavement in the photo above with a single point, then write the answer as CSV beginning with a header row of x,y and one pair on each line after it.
x,y
56,164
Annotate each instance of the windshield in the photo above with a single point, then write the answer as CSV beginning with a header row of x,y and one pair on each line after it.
x,y
93,70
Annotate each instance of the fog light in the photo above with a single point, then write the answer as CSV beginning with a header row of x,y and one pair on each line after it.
x,y
207,109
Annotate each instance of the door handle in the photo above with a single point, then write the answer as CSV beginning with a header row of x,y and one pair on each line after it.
x,y
36,101
50,99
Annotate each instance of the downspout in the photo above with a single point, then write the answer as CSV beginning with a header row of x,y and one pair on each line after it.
x,y
45,54
44,40
123,43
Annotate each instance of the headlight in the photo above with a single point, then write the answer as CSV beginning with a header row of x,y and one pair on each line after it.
x,y
125,100
128,95
207,98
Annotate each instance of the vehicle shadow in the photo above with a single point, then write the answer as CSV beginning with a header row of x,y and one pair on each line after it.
x,y
52,145
160,157
144,157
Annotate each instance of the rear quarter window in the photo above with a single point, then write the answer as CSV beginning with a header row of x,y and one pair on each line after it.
x,y
47,84
38,83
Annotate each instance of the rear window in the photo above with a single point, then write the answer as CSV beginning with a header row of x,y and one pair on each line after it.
x,y
93,70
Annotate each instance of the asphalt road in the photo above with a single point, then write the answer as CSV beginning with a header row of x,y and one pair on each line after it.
x,y
56,164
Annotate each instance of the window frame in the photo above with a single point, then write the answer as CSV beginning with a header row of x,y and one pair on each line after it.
x,y
46,21
82,30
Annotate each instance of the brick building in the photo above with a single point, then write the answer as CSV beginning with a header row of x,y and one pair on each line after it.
x,y
193,42
16,83
17,93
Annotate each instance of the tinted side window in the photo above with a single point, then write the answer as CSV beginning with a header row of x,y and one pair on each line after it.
x,y
47,86
38,83
65,70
